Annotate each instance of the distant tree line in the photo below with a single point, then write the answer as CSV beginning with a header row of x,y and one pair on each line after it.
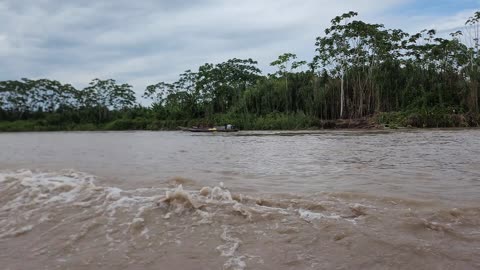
x,y
359,70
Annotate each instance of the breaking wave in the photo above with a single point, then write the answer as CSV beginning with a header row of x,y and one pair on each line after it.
x,y
67,220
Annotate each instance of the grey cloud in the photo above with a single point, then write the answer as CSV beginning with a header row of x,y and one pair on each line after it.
x,y
148,41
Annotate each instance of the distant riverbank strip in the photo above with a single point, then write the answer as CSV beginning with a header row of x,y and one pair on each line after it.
x,y
390,120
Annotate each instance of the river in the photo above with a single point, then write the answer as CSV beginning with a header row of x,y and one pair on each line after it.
x,y
250,200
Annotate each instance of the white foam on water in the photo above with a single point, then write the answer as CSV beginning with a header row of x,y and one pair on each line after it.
x,y
240,208
220,194
235,263
229,249
17,232
231,244
262,208
31,194
312,216
123,215
205,217
66,212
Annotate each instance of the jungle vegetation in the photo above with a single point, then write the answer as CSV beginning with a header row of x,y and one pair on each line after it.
x,y
360,70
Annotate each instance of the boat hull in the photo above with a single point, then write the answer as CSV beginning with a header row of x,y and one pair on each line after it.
x,y
206,130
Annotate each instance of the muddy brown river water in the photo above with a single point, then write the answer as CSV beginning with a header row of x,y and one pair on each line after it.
x,y
250,200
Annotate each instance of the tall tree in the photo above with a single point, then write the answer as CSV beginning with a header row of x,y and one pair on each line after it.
x,y
334,51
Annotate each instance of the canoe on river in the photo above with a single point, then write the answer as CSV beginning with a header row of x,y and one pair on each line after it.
x,y
214,129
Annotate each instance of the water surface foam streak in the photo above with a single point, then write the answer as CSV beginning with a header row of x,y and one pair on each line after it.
x,y
68,220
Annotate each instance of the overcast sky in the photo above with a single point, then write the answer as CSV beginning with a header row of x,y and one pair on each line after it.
x,y
147,41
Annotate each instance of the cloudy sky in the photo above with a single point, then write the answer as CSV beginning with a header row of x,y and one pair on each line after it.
x,y
147,41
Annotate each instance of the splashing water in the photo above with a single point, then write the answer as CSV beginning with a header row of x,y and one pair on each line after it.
x,y
65,220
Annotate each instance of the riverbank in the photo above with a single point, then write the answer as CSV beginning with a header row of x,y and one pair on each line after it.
x,y
141,124
390,120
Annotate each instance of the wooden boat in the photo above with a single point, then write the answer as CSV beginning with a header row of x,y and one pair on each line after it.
x,y
214,129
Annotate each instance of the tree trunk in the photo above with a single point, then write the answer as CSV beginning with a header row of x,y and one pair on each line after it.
x,y
473,100
342,96
287,99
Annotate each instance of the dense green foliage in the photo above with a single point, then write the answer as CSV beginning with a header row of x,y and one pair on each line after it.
x,y
359,70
